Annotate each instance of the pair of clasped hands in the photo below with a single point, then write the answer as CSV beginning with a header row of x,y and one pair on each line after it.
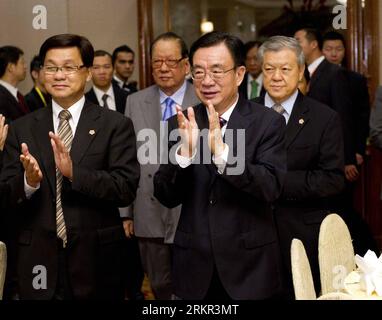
x,y
189,132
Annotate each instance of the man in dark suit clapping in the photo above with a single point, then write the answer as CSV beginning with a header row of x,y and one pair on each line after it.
x,y
79,163
225,245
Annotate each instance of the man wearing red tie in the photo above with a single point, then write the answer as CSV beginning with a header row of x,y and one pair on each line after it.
x,y
12,72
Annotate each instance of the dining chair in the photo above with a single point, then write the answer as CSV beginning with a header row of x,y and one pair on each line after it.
x,y
301,272
335,253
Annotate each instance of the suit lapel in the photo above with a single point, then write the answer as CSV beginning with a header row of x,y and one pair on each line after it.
x,y
151,110
317,74
44,124
297,120
87,129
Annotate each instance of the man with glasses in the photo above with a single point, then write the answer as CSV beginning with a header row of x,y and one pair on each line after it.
x,y
78,165
225,246
154,224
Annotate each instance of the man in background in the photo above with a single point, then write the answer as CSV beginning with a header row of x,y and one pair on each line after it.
x,y
110,96
12,72
252,85
154,224
123,63
105,92
315,157
334,51
37,98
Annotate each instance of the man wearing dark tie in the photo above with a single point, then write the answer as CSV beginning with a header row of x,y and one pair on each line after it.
x,y
105,92
152,223
12,72
78,165
109,95
123,63
314,152
225,245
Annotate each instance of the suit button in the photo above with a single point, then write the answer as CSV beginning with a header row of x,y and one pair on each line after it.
x,y
212,201
150,175
152,199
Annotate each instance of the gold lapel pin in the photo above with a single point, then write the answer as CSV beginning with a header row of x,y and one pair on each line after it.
x,y
92,132
301,121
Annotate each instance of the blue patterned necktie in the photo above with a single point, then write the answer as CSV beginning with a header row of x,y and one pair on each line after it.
x,y
168,109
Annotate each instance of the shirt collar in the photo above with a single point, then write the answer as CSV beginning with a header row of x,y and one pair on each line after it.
x,y
99,93
10,88
119,81
227,114
313,66
75,109
287,104
177,96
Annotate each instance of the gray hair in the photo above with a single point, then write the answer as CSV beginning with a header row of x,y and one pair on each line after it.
x,y
278,43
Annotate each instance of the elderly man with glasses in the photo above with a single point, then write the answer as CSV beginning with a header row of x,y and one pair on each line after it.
x,y
152,223
225,246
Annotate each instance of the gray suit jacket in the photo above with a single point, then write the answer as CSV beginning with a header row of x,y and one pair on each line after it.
x,y
151,219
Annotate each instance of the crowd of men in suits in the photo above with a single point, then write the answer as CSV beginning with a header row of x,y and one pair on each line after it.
x,y
78,199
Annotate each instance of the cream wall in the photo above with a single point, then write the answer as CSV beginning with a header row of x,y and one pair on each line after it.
x,y
107,24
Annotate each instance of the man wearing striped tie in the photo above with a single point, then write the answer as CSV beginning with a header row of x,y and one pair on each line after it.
x,y
78,165
314,152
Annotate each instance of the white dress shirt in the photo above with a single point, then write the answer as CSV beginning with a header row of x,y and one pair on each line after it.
x,y
287,104
110,97
220,161
314,65
12,90
178,97
259,81
75,110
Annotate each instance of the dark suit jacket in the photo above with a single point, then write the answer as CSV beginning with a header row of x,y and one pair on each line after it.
x,y
120,97
33,100
130,89
227,219
329,85
315,173
105,177
361,109
9,106
243,90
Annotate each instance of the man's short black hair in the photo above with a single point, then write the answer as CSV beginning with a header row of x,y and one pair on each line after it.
x,y
313,34
233,44
334,35
9,54
66,41
123,48
102,53
171,36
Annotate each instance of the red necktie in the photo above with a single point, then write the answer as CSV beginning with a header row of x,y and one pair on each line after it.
x,y
23,106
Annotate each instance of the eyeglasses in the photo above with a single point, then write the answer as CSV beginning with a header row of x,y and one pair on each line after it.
x,y
64,69
215,74
171,63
